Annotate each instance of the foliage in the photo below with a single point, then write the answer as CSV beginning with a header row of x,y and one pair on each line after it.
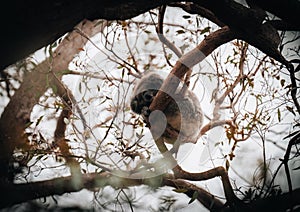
x,y
249,114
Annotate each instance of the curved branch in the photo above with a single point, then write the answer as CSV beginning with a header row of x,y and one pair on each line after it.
x,y
35,84
294,89
59,133
283,26
18,193
160,32
186,62
212,173
213,124
205,198
286,10
27,30
194,8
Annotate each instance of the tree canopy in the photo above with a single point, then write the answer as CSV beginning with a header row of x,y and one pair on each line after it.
x,y
66,123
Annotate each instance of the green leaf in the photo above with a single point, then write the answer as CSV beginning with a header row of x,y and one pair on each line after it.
x,y
39,120
28,124
197,22
227,165
278,115
183,47
180,31
206,29
292,134
180,190
217,144
147,32
297,168
186,16
194,197
291,110
80,87
123,73
282,82
39,157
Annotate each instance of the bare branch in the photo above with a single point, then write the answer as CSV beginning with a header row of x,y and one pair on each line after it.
x,y
214,124
160,32
59,134
290,68
18,193
207,199
215,172
193,8
34,85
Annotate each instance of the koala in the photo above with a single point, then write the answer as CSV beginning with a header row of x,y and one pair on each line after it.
x,y
183,115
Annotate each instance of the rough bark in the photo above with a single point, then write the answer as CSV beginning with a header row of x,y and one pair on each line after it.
x,y
187,61
286,10
16,115
30,25
13,194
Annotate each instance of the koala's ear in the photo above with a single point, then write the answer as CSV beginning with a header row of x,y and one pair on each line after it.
x,y
148,96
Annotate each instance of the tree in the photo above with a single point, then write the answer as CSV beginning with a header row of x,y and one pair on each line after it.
x,y
114,150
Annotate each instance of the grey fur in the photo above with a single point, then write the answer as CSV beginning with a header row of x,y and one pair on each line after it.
x,y
183,114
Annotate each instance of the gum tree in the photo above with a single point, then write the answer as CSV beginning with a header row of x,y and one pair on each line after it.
x,y
247,52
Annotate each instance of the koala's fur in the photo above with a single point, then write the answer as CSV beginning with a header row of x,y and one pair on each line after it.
x,y
183,113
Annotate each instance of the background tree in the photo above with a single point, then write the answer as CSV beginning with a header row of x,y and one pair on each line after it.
x,y
251,56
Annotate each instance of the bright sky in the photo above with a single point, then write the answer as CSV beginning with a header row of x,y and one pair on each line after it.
x,y
200,157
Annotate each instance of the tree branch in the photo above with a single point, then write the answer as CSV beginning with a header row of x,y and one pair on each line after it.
x,y
27,31
18,193
194,8
286,10
215,172
59,134
35,83
160,32
32,25
205,198
186,62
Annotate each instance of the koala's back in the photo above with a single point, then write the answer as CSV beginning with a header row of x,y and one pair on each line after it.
x,y
149,81
187,118
183,113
